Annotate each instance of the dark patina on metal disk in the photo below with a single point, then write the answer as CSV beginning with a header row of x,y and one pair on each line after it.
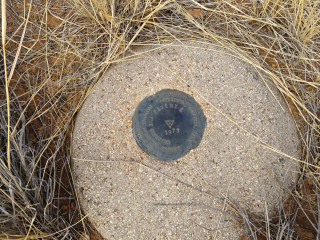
x,y
168,124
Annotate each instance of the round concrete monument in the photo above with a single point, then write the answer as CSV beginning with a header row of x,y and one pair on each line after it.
x,y
223,123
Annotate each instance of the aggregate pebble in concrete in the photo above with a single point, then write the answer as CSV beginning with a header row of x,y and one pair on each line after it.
x,y
128,194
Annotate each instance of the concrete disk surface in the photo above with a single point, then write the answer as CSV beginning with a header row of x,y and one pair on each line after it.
x,y
128,194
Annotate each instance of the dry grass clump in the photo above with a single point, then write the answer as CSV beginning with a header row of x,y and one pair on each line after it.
x,y
57,50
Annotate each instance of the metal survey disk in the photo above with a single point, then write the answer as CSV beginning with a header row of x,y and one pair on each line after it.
x,y
168,124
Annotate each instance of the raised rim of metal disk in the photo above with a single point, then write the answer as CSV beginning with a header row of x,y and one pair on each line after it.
x,y
168,124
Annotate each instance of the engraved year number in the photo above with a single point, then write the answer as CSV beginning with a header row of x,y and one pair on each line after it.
x,y
172,131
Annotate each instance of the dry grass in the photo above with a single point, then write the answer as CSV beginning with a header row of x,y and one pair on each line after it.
x,y
55,52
